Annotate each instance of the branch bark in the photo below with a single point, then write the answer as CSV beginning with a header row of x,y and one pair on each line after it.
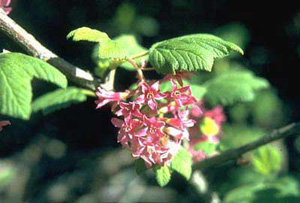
x,y
36,49
236,153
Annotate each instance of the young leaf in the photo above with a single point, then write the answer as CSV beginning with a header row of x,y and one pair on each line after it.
x,y
189,53
267,160
163,175
182,163
16,72
132,47
114,53
109,54
58,99
88,34
229,88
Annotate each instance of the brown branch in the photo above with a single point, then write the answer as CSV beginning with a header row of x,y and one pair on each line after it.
x,y
140,74
236,153
36,49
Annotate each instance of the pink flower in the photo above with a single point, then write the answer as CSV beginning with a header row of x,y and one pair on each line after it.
x,y
105,97
153,129
196,111
154,123
182,96
177,134
150,94
4,5
4,123
152,154
128,130
129,109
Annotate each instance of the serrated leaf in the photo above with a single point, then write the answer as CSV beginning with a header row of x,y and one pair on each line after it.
x,y
182,163
88,34
16,72
58,99
163,175
232,87
189,53
267,160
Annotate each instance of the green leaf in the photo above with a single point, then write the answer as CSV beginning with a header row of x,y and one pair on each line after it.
x,y
88,34
198,91
227,89
189,53
58,99
109,54
206,147
115,53
281,190
267,160
267,105
16,72
163,175
131,47
182,163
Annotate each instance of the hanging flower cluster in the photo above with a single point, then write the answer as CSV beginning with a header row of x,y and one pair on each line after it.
x,y
152,124
207,131
4,4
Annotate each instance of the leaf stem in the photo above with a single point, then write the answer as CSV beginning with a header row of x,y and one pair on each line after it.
x,y
147,69
139,55
140,74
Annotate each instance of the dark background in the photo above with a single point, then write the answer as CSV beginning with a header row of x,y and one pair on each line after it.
x,y
273,52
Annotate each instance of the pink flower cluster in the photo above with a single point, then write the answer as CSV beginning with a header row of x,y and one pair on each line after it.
x,y
4,5
152,124
207,130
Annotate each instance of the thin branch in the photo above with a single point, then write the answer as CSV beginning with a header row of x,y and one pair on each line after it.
x,y
140,74
36,49
236,153
147,69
